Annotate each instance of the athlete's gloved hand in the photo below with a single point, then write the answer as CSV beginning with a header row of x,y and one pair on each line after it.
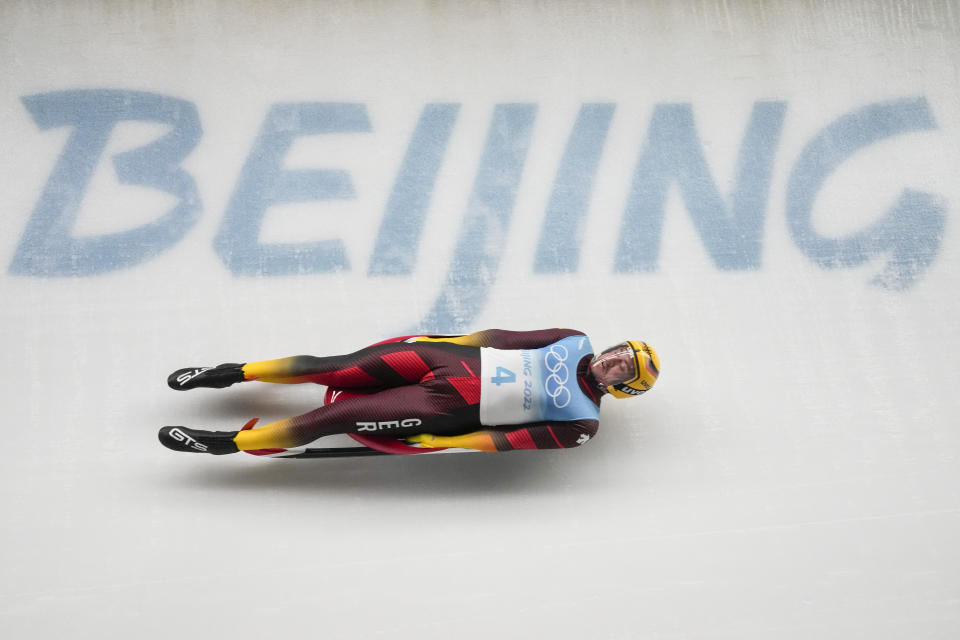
x,y
425,440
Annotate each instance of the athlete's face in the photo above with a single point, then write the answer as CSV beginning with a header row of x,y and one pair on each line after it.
x,y
613,366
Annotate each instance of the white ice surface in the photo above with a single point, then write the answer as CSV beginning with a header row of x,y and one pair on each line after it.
x,y
793,475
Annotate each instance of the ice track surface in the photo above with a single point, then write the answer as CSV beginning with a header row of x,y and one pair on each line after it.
x,y
764,191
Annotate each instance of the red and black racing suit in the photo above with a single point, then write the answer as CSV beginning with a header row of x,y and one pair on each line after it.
x,y
423,384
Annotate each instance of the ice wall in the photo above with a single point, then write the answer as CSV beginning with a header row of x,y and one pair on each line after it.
x,y
764,191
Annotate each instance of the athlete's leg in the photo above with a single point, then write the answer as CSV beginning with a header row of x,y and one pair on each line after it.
x,y
378,366
433,407
372,368
336,371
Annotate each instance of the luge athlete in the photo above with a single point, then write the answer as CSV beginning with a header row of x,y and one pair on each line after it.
x,y
492,390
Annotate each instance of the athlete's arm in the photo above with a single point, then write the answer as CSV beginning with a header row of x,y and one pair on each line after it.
x,y
504,339
538,435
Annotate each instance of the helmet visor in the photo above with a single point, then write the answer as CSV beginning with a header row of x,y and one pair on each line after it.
x,y
615,365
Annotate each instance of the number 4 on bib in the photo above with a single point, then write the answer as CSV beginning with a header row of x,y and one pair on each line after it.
x,y
503,375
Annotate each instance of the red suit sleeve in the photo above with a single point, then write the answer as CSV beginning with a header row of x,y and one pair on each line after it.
x,y
504,339
543,435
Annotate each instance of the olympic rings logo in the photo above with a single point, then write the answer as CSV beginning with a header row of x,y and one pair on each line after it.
x,y
556,383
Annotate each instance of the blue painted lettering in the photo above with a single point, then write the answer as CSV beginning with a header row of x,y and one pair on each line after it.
x,y
484,232
731,228
264,182
399,237
48,247
559,246
912,229
673,152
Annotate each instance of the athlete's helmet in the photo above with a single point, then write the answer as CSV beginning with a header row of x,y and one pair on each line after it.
x,y
627,369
